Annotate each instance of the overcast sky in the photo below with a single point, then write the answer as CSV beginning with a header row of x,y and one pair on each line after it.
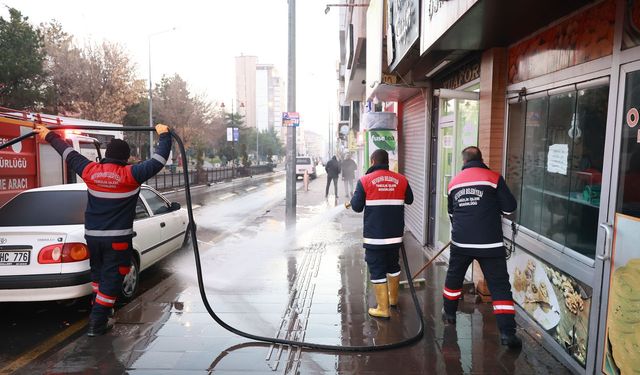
x,y
207,37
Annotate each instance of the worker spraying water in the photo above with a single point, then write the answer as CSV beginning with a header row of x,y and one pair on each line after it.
x,y
382,195
113,189
199,271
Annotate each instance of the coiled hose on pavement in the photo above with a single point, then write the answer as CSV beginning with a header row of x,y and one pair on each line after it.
x,y
194,240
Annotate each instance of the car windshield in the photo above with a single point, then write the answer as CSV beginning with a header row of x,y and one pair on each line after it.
x,y
303,161
44,208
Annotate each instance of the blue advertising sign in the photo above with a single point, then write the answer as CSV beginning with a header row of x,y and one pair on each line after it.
x,y
290,119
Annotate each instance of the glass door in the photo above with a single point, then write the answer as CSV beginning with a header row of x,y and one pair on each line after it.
x,y
446,156
457,129
619,323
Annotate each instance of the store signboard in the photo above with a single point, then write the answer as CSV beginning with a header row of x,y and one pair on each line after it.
x,y
623,321
622,335
583,37
404,20
557,302
438,16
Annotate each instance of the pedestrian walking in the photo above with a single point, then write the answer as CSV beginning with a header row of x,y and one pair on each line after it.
x,y
113,188
348,167
382,195
477,197
333,171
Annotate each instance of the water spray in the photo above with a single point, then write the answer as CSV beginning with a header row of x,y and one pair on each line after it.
x,y
194,241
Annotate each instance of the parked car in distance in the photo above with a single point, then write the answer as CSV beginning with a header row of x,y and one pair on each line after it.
x,y
305,163
43,252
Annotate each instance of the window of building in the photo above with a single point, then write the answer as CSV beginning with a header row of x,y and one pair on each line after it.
x,y
555,152
345,112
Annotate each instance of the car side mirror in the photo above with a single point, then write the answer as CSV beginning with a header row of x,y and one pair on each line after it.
x,y
175,206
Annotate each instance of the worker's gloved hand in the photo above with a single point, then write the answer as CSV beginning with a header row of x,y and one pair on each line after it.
x,y
42,132
161,129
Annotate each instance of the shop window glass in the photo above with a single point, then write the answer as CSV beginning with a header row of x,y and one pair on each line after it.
x,y
555,150
515,143
629,185
586,169
466,127
555,193
534,162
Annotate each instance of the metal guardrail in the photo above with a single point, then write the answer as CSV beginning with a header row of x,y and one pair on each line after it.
x,y
175,179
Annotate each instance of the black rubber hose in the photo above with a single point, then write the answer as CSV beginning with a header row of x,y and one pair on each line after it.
x,y
196,252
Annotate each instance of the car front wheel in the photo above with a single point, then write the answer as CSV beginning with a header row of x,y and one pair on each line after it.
x,y
131,280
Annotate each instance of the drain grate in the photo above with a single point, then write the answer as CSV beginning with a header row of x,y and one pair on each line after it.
x,y
293,325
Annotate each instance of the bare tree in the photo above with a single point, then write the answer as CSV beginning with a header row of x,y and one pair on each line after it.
x,y
108,85
64,65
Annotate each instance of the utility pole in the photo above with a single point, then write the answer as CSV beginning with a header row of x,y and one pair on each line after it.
x,y
291,200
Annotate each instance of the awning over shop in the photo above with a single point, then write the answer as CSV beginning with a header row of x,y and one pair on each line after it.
x,y
393,93
495,23
486,24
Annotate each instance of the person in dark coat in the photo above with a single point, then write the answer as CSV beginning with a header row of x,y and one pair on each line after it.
x,y
477,199
333,171
348,175
382,194
113,187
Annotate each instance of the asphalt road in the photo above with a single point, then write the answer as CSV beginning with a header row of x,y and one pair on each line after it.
x,y
28,329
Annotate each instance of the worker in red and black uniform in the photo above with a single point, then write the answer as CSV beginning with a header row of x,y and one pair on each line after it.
x,y
113,187
478,197
382,195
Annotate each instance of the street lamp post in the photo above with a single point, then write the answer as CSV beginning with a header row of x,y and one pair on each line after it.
x,y
151,90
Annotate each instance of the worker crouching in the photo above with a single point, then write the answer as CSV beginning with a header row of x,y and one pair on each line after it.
x,y
382,195
113,187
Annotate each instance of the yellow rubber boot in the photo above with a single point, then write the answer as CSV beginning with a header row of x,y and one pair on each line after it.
x,y
394,283
382,298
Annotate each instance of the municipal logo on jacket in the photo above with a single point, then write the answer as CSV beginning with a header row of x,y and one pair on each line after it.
x,y
382,195
477,197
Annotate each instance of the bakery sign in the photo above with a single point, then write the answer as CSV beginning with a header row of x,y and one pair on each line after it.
x,y
621,355
556,301
403,30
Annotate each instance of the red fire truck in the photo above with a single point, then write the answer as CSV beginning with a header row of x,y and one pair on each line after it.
x,y
30,163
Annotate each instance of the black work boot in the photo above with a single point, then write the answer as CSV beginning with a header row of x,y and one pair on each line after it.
x,y
512,341
448,318
99,328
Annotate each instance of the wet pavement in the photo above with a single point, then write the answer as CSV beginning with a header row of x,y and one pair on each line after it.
x,y
307,284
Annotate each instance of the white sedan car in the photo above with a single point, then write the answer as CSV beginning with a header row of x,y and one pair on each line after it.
x,y
43,253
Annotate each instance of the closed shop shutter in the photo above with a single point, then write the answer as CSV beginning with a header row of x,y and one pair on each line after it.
x,y
414,147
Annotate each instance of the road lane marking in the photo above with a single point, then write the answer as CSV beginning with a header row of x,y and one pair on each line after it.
x,y
250,188
227,196
36,352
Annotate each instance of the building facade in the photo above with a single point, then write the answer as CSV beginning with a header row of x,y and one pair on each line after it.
x,y
246,88
550,91
269,101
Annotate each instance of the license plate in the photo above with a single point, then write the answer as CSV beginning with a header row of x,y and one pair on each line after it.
x,y
14,257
